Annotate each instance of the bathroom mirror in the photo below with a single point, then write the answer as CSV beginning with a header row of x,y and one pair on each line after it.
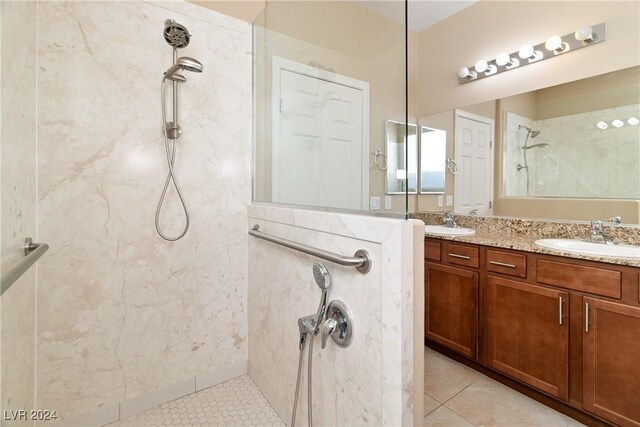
x,y
570,151
402,167
433,153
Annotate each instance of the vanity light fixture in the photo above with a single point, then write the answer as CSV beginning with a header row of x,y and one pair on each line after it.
x,y
529,52
617,123
584,36
555,44
602,125
633,121
464,73
483,66
505,60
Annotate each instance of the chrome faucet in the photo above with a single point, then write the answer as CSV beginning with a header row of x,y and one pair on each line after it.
x,y
616,220
473,212
597,234
449,221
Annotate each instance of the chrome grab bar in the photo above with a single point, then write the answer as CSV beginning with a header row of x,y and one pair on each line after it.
x,y
360,260
32,252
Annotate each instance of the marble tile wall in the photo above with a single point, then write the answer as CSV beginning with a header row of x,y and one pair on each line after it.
x,y
18,205
121,312
581,160
372,382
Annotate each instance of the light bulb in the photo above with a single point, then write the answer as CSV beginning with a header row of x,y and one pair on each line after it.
x,y
526,52
602,125
481,66
554,44
617,123
464,73
585,34
503,59
633,121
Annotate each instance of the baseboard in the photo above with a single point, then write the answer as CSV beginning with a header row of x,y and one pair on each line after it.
x,y
121,410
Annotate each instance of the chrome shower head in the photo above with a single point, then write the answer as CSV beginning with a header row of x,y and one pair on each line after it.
x,y
175,77
532,133
175,34
321,275
184,63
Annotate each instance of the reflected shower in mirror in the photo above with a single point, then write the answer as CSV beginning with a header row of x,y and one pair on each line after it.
x,y
433,153
401,177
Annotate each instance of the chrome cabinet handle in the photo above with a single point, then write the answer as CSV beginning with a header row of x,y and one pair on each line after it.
x,y
586,317
502,264
459,256
560,310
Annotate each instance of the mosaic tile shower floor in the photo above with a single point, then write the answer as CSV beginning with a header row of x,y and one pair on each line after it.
x,y
236,402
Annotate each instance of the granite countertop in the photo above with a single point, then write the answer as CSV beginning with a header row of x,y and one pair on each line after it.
x,y
522,243
521,234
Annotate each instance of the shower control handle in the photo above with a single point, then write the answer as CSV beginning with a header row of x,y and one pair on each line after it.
x,y
329,327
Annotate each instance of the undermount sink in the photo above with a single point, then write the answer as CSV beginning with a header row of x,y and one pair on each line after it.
x,y
588,248
448,231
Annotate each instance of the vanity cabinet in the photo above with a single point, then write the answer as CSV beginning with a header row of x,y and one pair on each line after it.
x,y
611,361
527,334
452,313
566,328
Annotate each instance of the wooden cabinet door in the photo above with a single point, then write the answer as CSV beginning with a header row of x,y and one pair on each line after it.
x,y
611,367
527,334
451,315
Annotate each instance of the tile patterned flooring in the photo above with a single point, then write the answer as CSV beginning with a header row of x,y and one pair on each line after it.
x,y
236,402
456,395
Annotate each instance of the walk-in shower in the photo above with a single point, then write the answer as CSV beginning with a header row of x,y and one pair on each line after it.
x,y
178,37
531,134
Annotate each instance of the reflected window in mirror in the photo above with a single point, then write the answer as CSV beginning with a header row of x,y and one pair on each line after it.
x,y
433,153
402,158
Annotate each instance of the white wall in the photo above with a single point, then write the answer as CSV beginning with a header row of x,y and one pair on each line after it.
x,y
377,380
121,312
18,203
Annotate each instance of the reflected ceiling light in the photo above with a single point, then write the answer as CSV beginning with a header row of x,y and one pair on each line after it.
x,y
602,125
633,121
617,123
505,60
528,54
401,174
555,44
585,34
464,73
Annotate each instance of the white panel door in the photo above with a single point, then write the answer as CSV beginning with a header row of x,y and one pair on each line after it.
x,y
319,157
473,184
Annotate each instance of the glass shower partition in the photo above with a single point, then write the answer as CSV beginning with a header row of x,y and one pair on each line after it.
x,y
328,76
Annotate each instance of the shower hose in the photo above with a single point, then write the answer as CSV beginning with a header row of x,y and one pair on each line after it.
x,y
171,158
309,383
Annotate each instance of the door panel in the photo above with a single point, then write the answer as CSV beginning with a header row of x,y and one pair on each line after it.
x,y
318,149
611,367
525,336
451,308
473,184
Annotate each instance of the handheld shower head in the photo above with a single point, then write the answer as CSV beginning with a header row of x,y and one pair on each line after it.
x,y
321,275
175,34
184,63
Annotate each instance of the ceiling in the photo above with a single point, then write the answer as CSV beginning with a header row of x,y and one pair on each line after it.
x,y
422,13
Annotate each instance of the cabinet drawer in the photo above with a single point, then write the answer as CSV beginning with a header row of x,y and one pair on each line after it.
x,y
432,250
597,281
507,263
462,255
